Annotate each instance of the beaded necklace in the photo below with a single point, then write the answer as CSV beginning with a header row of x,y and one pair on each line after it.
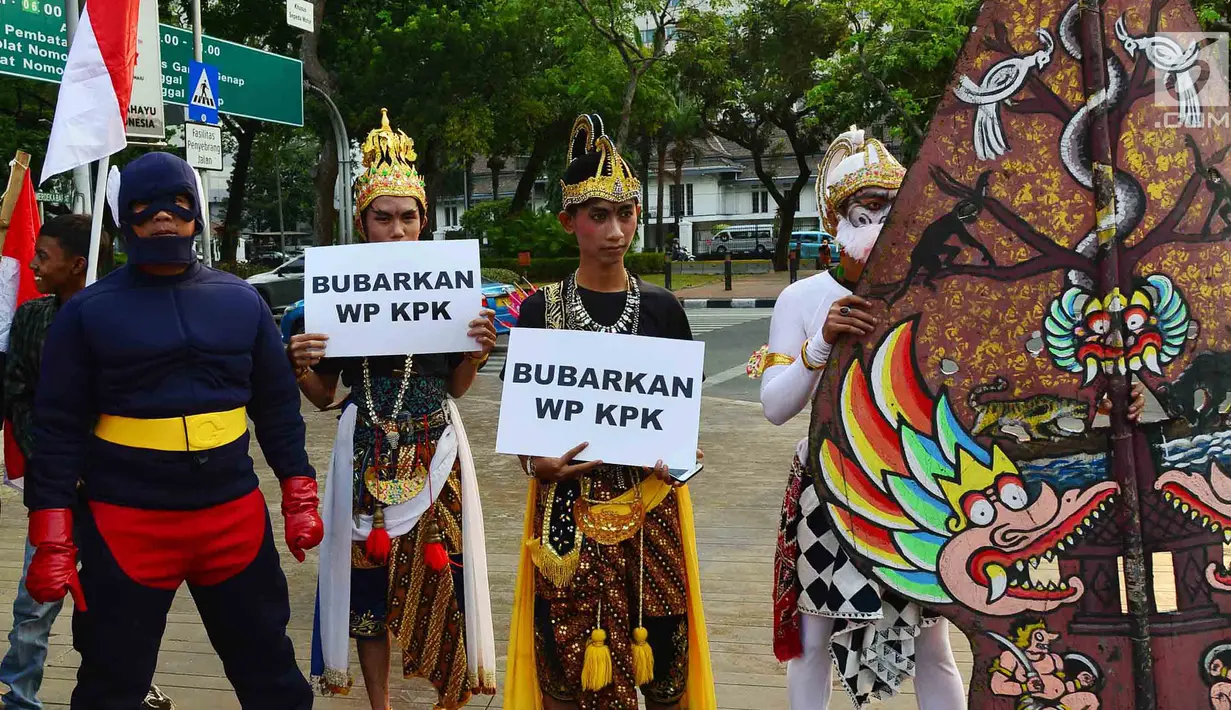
x,y
389,426
629,320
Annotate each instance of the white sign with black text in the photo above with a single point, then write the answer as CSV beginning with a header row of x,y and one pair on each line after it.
x,y
393,298
300,14
203,144
636,400
145,110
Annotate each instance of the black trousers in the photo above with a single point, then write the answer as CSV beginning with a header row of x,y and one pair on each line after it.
x,y
119,636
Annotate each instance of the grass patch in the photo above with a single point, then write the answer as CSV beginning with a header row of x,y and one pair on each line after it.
x,y
680,281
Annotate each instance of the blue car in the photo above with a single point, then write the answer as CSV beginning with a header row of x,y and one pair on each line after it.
x,y
811,243
495,297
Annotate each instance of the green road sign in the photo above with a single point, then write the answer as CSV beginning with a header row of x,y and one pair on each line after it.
x,y
253,84
33,39
54,197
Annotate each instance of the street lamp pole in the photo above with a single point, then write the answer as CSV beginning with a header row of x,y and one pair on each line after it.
x,y
344,165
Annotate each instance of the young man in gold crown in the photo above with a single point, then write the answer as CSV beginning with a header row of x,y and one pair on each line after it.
x,y
403,557
599,612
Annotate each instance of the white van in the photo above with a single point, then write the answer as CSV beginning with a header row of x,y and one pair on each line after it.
x,y
755,239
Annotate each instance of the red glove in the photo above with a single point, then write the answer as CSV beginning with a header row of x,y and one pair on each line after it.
x,y
53,571
304,528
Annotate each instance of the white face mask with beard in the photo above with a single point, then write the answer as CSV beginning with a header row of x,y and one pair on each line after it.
x,y
860,226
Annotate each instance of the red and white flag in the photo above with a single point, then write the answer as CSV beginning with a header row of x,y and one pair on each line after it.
x,y
94,93
16,287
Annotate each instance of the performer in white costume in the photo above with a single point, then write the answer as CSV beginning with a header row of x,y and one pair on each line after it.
x,y
824,607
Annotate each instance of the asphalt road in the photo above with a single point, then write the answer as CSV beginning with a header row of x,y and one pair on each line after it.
x,y
730,335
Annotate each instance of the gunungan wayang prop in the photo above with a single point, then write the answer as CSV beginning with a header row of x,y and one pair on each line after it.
x,y
1063,233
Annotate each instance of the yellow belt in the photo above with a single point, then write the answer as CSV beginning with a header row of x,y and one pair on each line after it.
x,y
195,432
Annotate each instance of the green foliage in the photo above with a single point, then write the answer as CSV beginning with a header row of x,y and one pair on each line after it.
x,y
504,276
507,235
891,69
241,269
1214,15
291,152
555,269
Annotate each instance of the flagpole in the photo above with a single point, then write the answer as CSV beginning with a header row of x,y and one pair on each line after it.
x,y
96,220
81,173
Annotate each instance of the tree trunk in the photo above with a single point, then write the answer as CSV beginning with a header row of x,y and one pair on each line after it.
x,y
496,165
525,185
626,112
645,193
662,173
323,212
469,185
786,222
245,132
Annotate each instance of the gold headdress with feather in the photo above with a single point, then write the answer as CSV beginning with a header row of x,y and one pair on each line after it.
x,y
389,169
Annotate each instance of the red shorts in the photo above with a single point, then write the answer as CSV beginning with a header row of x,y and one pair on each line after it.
x,y
164,548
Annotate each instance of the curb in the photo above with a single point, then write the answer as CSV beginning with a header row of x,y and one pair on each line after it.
x,y
728,302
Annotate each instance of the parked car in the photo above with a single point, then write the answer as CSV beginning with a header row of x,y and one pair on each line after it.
x,y
495,296
755,239
811,243
267,258
282,287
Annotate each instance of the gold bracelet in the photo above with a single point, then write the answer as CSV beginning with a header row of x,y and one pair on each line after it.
x,y
803,357
302,372
479,361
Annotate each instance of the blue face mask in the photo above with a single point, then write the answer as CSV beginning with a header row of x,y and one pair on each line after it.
x,y
155,179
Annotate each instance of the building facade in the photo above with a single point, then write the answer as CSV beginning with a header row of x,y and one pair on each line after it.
x,y
717,187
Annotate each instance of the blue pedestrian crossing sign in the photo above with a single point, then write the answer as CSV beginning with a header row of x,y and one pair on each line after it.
x,y
203,99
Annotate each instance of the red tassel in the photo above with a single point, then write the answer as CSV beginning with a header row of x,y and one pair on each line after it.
x,y
378,544
434,553
435,556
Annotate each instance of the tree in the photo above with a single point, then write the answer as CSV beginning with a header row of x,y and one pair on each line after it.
x,y
751,71
891,69
616,23
1215,15
289,153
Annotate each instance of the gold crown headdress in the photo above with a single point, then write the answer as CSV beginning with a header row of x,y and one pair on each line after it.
x,y
612,178
851,164
389,161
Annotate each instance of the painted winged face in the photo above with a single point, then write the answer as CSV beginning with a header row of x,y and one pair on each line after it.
x,y
940,518
1207,499
1081,339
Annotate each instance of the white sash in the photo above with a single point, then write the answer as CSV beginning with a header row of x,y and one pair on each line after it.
x,y
342,527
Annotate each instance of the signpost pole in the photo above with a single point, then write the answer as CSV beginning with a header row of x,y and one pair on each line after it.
x,y
81,173
207,242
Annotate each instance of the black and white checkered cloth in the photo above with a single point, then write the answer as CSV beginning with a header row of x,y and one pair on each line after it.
x,y
873,642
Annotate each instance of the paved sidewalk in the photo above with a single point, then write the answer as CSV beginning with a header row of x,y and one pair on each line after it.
x,y
737,499
759,286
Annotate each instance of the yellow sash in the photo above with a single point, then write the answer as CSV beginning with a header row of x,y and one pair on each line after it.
x,y
521,688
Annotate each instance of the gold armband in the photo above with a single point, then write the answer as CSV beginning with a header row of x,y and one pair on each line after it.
x,y
803,357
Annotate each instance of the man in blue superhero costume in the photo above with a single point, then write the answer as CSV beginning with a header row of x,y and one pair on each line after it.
x,y
148,379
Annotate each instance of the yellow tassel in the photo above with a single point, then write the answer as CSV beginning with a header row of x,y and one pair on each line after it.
x,y
596,671
643,657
